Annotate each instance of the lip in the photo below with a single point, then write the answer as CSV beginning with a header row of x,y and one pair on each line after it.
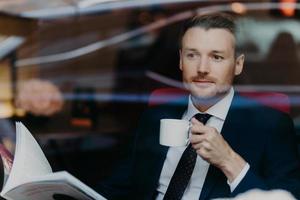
x,y
203,83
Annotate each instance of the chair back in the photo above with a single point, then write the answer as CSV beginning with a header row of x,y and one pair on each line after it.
x,y
276,100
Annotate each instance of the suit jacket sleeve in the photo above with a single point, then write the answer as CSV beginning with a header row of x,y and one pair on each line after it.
x,y
281,162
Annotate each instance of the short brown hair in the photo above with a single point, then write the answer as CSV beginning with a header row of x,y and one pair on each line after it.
x,y
208,21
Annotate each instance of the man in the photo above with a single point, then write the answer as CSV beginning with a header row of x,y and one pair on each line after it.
x,y
241,145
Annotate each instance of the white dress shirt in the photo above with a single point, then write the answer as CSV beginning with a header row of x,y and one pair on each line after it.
x,y
218,114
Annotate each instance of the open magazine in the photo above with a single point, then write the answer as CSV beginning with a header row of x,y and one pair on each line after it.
x,y
31,176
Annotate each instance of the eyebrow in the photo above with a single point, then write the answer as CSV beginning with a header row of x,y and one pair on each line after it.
x,y
195,50
219,51
190,49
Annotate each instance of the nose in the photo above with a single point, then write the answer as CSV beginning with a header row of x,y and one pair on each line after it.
x,y
203,66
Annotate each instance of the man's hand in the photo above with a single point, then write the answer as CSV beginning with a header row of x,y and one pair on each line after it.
x,y
212,147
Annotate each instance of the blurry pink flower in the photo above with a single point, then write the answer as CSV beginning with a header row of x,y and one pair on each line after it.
x,y
39,97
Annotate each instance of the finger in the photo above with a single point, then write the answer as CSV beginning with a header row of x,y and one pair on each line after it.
x,y
196,138
195,121
203,153
202,145
199,129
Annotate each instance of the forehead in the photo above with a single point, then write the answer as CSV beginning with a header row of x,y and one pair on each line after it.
x,y
214,39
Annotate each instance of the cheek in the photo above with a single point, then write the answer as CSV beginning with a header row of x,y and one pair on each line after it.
x,y
224,76
185,76
188,72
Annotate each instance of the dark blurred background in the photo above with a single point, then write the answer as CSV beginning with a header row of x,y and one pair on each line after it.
x,y
80,80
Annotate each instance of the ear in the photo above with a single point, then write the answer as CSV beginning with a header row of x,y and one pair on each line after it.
x,y
239,64
180,60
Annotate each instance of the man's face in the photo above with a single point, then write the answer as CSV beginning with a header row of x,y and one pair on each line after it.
x,y
207,61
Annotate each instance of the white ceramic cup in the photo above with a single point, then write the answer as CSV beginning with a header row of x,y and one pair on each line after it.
x,y
174,132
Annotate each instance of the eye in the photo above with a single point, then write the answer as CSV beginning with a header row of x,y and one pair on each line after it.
x,y
191,55
217,58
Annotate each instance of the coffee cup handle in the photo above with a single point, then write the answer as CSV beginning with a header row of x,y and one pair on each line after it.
x,y
188,132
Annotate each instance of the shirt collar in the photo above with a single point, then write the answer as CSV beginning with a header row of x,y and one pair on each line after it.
x,y
219,110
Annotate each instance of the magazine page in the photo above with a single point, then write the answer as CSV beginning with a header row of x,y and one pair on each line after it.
x,y
55,186
29,160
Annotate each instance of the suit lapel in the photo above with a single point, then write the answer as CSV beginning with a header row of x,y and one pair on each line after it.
x,y
212,176
229,132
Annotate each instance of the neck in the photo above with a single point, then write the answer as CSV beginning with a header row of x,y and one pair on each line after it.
x,y
204,104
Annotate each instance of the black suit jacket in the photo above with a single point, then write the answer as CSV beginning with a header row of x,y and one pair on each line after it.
x,y
264,137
